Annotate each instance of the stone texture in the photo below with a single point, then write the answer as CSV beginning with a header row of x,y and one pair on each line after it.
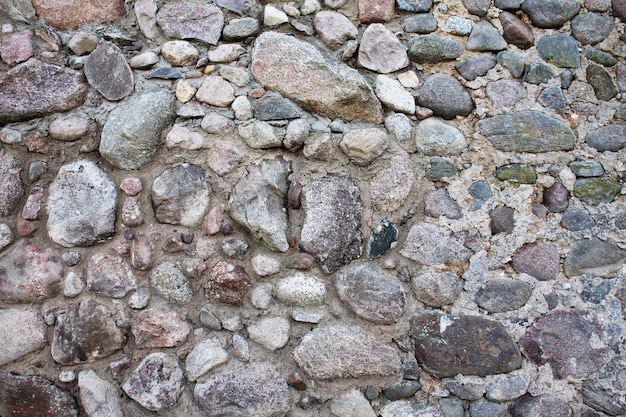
x,y
601,82
562,338
271,332
550,14
577,219
69,129
332,226
131,136
376,10
334,28
334,90
596,191
438,203
433,48
227,283
72,14
595,257
82,205
484,38
434,137
436,289
345,351
108,72
445,96
216,91
543,404
420,23
393,95
611,137
351,404
556,198
370,293
503,294
191,20
363,146
179,53
505,93
160,327
35,89
99,397
17,47
591,28
391,185
110,275
515,31
170,282
24,332
471,345
301,290
381,51
157,382
34,396
429,244
559,50
539,260
205,356
476,66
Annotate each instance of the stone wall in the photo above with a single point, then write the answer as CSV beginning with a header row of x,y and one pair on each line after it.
x,y
355,208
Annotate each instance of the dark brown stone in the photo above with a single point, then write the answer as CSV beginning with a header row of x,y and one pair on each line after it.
x,y
227,283
447,345
515,31
34,396
37,142
556,198
619,9
72,14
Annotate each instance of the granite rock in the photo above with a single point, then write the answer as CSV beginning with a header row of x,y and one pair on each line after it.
x,y
191,20
108,72
157,383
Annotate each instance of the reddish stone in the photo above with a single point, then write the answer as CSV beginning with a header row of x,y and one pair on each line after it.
x,y
26,228
539,260
34,396
190,20
17,47
160,327
37,142
227,283
72,14
33,204
131,186
376,10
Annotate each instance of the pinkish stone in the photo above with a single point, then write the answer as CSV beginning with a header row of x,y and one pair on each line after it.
x,y
381,51
227,283
131,186
223,157
33,204
191,20
72,14
160,327
376,10
26,228
213,221
110,275
17,47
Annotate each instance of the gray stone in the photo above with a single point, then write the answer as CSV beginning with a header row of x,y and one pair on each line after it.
x,y
259,135
433,48
160,327
257,389
502,219
371,294
470,391
270,332
471,345
82,205
429,244
257,202
598,5
591,28
552,98
157,383
503,294
597,190
601,82
351,404
508,388
334,28
438,203
205,356
420,23
99,397
527,131
577,219
601,400
459,25
391,185
110,275
477,7
538,73
603,58
476,66
301,290
131,136
418,6
240,29
108,72
436,289
611,137
345,351
484,38
559,50
539,260
594,257
544,404
170,282
405,408
235,247
511,61
191,20
434,137
180,195
481,192
35,89
296,133
346,94
445,96
216,91
505,93
405,389
556,198
550,14
381,51
24,332
586,169
486,409
275,107
451,407
332,226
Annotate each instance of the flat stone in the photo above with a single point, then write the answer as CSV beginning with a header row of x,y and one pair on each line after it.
x,y
544,404
180,195
586,169
131,136
363,146
301,290
392,184
405,389
470,391
273,16
380,50
275,107
334,28
406,408
17,47
157,383
434,137
24,332
598,5
74,218
227,283
170,282
601,400
160,327
539,73
370,293
393,95
271,332
259,135
99,397
257,389
11,186
69,129
595,257
562,338
527,131
591,28
105,60
611,137
145,11
509,388
515,31
540,260
559,50
345,351
258,199
476,66
240,29
433,48
436,289
420,23
382,238
551,14
477,7
191,20
601,82
205,356
226,53
34,396
429,244
72,14
376,10
110,275
505,93
517,174
216,91
446,345
35,89
346,94
332,226
86,331
597,190
503,294
556,198
577,219
484,38
216,123
438,203
603,58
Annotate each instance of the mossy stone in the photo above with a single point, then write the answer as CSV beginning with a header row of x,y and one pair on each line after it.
x,y
597,190
517,173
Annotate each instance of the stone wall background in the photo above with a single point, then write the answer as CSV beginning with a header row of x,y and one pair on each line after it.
x,y
339,209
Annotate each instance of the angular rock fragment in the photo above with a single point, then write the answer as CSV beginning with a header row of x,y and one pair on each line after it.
x,y
429,244
110,275
24,332
381,51
11,185
99,397
550,14
169,281
438,203
157,382
594,257
382,238
332,226
485,38
345,351
72,14
470,345
258,201
191,20
544,404
160,327
437,289
34,396
108,72
392,184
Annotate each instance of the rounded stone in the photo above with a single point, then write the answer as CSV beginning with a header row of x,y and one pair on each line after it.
x,y
437,289
539,260
445,96
503,294
300,289
179,53
434,137
170,282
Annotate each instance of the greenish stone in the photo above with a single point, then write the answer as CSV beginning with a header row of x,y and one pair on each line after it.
x,y
597,190
511,61
527,131
601,57
601,82
405,389
517,173
586,168
560,50
433,48
539,73
440,168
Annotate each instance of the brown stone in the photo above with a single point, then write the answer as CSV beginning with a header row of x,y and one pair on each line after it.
x,y
37,142
26,228
109,275
34,396
160,327
515,31
72,14
376,10
227,283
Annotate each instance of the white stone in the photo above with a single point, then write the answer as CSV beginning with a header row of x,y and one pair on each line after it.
x,y
145,11
399,125
10,136
301,289
181,137
310,7
242,108
68,129
6,236
261,297
185,91
216,91
179,53
291,11
241,77
459,25
259,135
409,79
73,285
139,299
67,376
265,265
205,356
273,16
391,93
351,404
306,316
226,53
404,408
272,333
434,137
83,42
144,60
23,331
99,397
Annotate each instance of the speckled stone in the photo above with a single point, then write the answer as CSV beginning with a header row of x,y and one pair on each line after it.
x,y
601,82
445,96
611,137
560,50
433,48
503,294
595,257
540,260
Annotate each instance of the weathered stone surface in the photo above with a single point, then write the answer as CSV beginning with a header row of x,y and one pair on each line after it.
x,y
351,404
577,219
381,51
34,396
445,96
436,289
509,388
597,190
438,203
476,66
505,93
382,238
560,50
345,351
370,293
393,95
82,205
131,135
170,282
157,382
72,14
180,195
376,10
363,146
335,90
391,185
471,345
334,28
300,289
556,198
544,404
109,275
435,137
601,82
527,131
433,48
258,389
179,53
205,356
24,332
484,38
191,20
216,91
619,9
69,129
227,283
429,244
35,89
517,174
594,257
550,14
601,400
503,294
552,98
563,338
85,332
611,137
332,226
160,327
511,61
539,73
270,332
591,28
420,23
99,397
108,72
274,107
539,260
17,47
515,31
257,202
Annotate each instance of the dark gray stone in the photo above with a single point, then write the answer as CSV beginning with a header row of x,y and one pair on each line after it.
x,y
405,389
420,23
240,29
540,405
601,82
108,72
556,198
503,294
595,294
439,203
275,107
597,190
11,186
508,4
586,168
540,260
433,48
527,131
486,409
471,345
502,220
485,38
511,61
559,50
562,338
476,66
417,6
567,77
577,219
429,244
440,168
552,98
481,192
165,73
34,396
611,137
538,73
445,96
451,407
603,58
594,257
477,7
550,14
382,237
591,28
600,400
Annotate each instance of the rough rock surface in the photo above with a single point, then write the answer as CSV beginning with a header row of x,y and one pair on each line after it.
x,y
191,20
25,332
429,244
108,72
72,14
31,396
